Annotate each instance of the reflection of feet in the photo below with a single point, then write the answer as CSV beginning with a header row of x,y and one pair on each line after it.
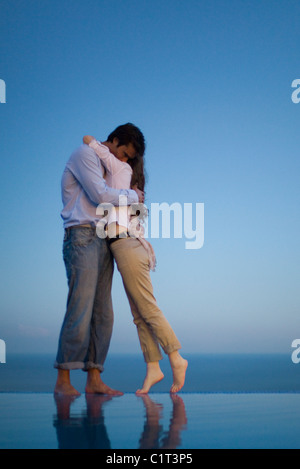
x,y
179,413
178,423
154,376
63,404
152,428
95,385
65,389
153,410
95,403
179,367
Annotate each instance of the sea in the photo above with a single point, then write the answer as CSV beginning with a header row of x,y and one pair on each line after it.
x,y
248,373
228,402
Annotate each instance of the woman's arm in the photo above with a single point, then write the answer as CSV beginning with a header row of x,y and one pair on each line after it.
x,y
110,162
86,170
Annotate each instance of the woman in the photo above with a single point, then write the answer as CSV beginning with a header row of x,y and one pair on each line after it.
x,y
134,258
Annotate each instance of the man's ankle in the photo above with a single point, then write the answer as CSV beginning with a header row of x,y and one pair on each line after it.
x,y
63,376
93,374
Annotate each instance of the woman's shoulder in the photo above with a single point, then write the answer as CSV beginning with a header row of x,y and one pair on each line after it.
x,y
127,167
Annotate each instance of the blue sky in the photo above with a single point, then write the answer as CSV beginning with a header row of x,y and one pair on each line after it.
x,y
209,84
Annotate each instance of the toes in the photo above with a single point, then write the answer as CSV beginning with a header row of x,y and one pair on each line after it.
x,y
175,389
112,392
142,391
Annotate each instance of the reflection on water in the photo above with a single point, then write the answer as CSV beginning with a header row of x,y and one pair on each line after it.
x,y
153,436
88,430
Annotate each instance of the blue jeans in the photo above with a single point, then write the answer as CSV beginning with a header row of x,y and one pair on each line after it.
x,y
87,328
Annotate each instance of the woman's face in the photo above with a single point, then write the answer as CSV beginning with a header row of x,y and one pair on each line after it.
x,y
122,152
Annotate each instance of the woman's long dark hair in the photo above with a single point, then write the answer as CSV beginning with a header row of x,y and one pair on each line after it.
x,y
139,177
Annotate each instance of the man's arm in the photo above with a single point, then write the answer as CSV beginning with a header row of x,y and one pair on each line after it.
x,y
86,168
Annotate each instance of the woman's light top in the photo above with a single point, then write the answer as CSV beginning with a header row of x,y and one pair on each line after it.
x,y
118,176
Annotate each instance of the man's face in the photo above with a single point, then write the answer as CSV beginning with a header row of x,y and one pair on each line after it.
x,y
122,152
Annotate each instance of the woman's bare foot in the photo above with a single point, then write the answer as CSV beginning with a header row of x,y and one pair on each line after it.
x,y
179,366
154,376
63,385
95,385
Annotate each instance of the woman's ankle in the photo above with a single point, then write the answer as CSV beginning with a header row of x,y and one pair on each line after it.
x,y
175,357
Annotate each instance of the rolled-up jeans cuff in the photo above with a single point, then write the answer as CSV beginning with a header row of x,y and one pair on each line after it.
x,y
92,366
69,366
79,366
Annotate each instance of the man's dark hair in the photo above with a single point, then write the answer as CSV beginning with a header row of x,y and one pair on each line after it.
x,y
129,133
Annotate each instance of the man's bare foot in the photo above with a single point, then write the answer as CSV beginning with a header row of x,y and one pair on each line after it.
x,y
179,366
154,376
65,389
63,385
95,385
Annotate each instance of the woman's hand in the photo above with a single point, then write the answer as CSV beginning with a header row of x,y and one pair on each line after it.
x,y
87,139
141,194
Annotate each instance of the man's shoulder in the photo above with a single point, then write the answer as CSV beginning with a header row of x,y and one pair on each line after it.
x,y
83,152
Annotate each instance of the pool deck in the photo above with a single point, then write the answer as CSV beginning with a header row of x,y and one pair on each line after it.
x,y
158,421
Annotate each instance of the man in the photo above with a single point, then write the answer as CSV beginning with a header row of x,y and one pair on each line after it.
x,y
87,327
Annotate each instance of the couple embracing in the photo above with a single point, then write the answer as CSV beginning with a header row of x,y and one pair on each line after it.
x,y
98,173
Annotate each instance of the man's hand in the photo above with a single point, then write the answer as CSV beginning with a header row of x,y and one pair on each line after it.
x,y
141,194
87,139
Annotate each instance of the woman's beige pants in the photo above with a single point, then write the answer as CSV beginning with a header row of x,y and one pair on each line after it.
x,y
153,328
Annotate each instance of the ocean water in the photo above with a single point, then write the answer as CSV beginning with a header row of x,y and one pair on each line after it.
x,y
231,401
206,374
156,422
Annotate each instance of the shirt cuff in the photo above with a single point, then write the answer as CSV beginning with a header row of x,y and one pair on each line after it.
x,y
133,198
94,144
